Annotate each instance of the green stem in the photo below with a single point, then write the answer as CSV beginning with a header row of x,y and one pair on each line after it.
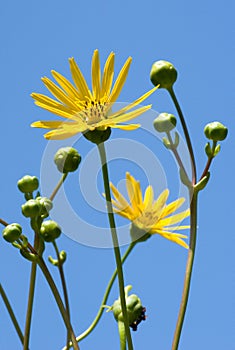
x,y
188,271
64,287
104,300
60,183
30,297
11,313
103,159
58,300
122,335
186,134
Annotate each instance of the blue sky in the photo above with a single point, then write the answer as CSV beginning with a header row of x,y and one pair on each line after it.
x,y
198,39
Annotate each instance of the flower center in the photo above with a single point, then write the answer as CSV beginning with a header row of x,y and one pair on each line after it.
x,y
93,112
146,220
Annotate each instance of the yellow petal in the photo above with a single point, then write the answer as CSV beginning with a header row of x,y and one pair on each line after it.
x,y
79,80
49,124
159,204
66,85
174,238
107,78
59,93
121,201
125,117
173,206
173,219
135,103
96,75
148,198
63,133
128,127
120,81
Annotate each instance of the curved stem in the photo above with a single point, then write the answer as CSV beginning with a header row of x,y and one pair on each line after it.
x,y
186,134
188,271
30,297
63,282
58,300
60,183
11,313
103,159
122,335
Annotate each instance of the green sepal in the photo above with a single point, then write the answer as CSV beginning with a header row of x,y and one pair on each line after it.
x,y
177,139
97,136
16,245
166,143
138,235
202,183
184,178
29,256
24,241
56,262
217,150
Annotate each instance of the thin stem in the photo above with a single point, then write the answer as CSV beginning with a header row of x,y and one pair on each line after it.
x,y
122,335
60,183
64,287
11,313
188,271
176,154
103,159
3,222
186,134
30,297
209,161
58,300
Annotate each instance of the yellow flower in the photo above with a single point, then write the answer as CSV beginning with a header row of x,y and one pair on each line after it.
x,y
147,215
83,109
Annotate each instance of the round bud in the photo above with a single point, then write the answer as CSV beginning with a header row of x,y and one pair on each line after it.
x,y
134,308
12,232
165,122
67,159
97,136
163,73
50,230
46,206
28,184
31,209
215,131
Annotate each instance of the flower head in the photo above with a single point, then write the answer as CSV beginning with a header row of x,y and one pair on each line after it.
x,y
149,215
83,109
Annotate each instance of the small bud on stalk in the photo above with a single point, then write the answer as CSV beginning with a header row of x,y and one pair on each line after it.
x,y
216,131
67,159
163,73
165,122
50,230
31,209
28,184
12,232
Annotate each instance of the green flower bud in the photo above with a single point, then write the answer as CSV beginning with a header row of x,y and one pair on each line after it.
x,y
46,206
67,159
31,209
50,230
28,184
165,122
135,310
215,131
97,136
12,232
163,73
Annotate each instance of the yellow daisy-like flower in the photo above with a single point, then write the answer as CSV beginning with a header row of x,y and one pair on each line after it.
x,y
86,110
149,215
